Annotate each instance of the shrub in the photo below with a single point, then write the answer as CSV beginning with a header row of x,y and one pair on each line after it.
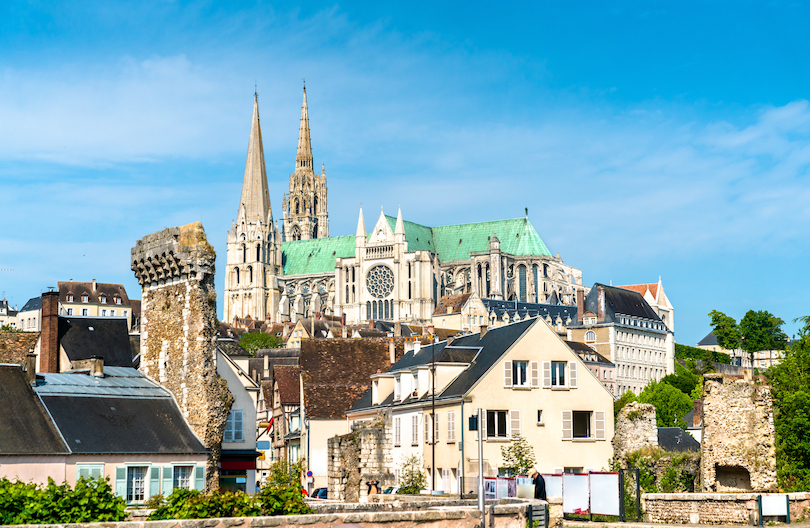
x,y
193,504
412,479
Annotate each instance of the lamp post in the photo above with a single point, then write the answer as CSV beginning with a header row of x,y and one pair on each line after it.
x,y
433,416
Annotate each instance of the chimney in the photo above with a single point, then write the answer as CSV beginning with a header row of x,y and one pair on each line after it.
x,y
580,305
49,338
431,329
483,331
397,329
285,331
343,318
94,285
417,346
344,330
392,351
31,367
600,300
266,373
371,324
97,366
697,415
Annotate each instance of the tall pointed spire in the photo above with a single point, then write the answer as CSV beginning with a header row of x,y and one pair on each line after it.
x,y
400,229
255,195
361,225
304,157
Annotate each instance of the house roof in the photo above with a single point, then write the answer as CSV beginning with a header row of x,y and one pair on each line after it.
x,y
619,301
15,346
110,291
85,337
453,302
526,309
27,428
583,349
642,288
288,378
709,340
231,347
34,303
676,439
317,255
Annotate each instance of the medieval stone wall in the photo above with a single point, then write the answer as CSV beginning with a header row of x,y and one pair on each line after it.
x,y
14,346
635,429
738,452
359,457
175,268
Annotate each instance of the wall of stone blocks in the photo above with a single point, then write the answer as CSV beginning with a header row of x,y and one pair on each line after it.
x,y
712,508
635,429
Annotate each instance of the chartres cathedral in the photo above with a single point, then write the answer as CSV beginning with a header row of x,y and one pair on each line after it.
x,y
395,271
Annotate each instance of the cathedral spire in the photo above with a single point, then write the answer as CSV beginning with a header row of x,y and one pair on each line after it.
x,y
304,157
255,195
400,229
361,225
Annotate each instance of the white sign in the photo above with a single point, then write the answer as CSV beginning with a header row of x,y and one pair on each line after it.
x,y
774,504
604,493
575,493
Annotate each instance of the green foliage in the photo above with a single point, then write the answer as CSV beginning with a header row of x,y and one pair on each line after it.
x,y
9,328
683,379
670,403
518,457
91,500
283,500
193,504
726,330
689,352
619,403
790,389
155,501
412,479
761,330
283,473
675,477
254,341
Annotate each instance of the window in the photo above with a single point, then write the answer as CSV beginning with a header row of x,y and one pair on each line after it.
x,y
69,297
112,313
118,300
124,313
397,431
70,311
182,477
582,424
398,388
519,373
136,483
539,417
103,299
558,373
89,471
590,336
84,311
233,428
103,313
414,430
451,427
496,424
85,298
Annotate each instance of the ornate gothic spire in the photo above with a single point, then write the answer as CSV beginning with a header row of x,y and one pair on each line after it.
x,y
400,229
255,196
304,157
361,225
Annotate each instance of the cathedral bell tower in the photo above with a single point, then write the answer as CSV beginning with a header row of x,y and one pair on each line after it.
x,y
306,205
254,243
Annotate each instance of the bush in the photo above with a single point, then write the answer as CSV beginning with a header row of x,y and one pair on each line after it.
x,y
193,504
688,352
283,500
254,341
92,500
670,403
412,480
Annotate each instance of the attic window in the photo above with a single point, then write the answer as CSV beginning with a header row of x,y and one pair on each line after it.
x,y
69,297
90,328
103,299
118,300
85,298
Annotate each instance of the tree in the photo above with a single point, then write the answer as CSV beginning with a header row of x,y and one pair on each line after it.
x,y
412,479
726,330
518,457
670,403
255,341
683,379
761,330
623,400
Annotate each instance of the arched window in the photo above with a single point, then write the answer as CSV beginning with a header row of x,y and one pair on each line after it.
x,y
368,309
374,309
488,284
315,205
590,336
536,276
259,252
522,283
296,233
244,254
250,274
297,207
387,310
236,275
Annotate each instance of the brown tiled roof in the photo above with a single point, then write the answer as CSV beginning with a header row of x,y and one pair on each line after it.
x,y
443,333
288,379
454,302
14,346
337,372
267,392
642,288
111,291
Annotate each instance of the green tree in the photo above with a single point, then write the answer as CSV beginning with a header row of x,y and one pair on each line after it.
x,y
623,400
726,330
518,456
283,473
255,341
670,403
790,388
412,479
683,379
9,328
761,330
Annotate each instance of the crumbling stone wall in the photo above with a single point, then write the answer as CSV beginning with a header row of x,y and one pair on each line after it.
x,y
175,268
14,346
635,429
738,451
359,457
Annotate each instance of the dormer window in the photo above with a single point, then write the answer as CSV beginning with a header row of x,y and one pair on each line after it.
x,y
590,336
69,297
118,300
85,298
103,299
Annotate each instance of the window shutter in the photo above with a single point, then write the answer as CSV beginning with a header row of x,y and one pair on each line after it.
x,y
238,433
451,426
600,425
199,478
83,472
436,427
154,481
514,423
427,429
168,480
572,374
507,374
483,425
227,435
546,374
535,375
121,481
567,425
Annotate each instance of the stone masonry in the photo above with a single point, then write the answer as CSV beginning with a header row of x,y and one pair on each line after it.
x,y
635,429
359,457
738,451
175,268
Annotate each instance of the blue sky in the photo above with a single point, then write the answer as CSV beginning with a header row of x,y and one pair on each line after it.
x,y
645,139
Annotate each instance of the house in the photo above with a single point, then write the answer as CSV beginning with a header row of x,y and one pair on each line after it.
x,y
100,421
601,366
28,318
8,314
286,418
313,328
94,299
655,296
526,379
738,356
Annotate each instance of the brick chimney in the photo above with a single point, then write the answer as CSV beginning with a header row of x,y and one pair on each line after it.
x,y
580,305
94,285
697,415
49,338
600,304
31,367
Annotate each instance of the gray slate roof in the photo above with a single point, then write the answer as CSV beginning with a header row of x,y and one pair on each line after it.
x,y
34,303
709,340
499,307
619,301
85,337
676,439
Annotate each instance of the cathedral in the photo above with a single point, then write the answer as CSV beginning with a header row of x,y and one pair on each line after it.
x,y
396,271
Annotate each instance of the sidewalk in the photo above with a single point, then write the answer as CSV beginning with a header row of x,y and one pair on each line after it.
x,y
586,524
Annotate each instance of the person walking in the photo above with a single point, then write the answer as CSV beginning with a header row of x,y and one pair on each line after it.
x,y
539,485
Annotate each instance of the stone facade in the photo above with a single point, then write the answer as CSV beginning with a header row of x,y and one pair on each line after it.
x,y
14,346
359,457
738,452
635,429
175,268
713,508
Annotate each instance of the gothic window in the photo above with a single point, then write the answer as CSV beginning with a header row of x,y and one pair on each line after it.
x,y
387,309
536,275
258,252
250,274
545,270
236,275
368,310
297,211
522,283
380,281
488,284
296,233
244,254
315,205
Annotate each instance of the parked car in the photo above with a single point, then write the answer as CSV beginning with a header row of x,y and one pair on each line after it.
x,y
323,493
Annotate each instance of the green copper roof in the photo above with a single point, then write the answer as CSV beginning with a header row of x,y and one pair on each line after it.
x,y
419,237
301,257
517,236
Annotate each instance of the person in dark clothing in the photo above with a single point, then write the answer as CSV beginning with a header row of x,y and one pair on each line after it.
x,y
539,486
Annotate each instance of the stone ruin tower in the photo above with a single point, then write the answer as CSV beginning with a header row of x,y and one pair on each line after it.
x,y
738,452
175,268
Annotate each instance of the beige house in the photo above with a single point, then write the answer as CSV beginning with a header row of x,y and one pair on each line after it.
x,y
526,379
738,356
94,299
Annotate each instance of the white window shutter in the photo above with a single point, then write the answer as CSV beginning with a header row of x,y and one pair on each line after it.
x,y
567,425
546,374
507,374
451,426
427,429
483,424
436,427
572,374
535,375
154,481
600,424
514,423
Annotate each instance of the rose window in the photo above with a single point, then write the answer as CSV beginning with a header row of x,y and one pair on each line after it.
x,y
380,281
